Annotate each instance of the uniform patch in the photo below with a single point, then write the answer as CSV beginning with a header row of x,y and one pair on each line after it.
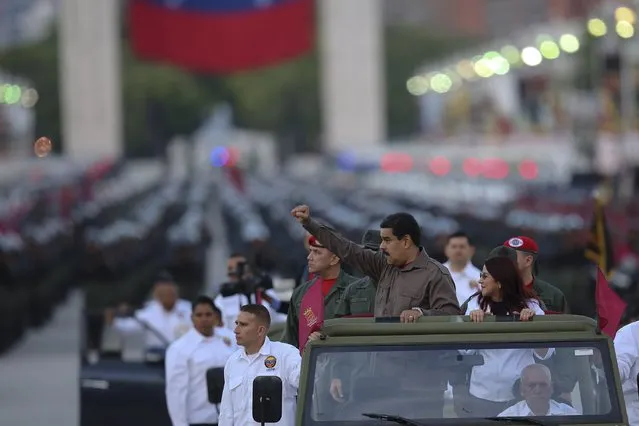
x,y
515,242
270,362
311,318
227,341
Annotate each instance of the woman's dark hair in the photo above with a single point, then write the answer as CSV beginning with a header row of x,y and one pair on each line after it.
x,y
515,294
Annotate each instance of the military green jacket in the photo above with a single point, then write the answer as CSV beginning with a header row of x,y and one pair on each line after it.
x,y
331,301
553,298
359,298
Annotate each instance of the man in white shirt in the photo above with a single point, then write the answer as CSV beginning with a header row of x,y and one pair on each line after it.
x,y
627,350
536,389
189,358
258,356
163,319
459,252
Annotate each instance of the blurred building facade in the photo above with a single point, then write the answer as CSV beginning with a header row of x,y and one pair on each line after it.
x,y
483,18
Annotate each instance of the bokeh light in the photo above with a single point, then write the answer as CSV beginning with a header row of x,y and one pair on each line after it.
x,y
625,14
42,147
624,29
569,43
597,27
439,166
528,170
531,56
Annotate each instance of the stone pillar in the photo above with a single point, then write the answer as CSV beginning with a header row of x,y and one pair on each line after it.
x,y
352,73
91,98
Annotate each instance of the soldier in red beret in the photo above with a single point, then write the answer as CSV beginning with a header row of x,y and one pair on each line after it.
x,y
527,250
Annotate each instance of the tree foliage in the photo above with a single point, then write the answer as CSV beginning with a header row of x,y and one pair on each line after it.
x,y
407,49
39,64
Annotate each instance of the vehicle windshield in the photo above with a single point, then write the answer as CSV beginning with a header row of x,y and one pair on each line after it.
x,y
568,383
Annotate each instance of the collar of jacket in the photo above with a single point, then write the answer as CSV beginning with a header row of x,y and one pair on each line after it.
x,y
420,262
340,283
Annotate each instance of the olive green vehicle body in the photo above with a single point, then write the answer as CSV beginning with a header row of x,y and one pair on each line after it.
x,y
442,330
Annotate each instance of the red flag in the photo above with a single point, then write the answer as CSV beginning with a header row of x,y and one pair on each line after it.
x,y
610,307
311,316
221,36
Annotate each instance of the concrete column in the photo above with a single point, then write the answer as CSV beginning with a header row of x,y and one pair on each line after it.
x,y
90,71
352,77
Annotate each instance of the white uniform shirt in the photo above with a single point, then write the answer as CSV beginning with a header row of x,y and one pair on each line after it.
x,y
172,325
187,361
230,307
494,380
521,409
273,359
627,350
462,281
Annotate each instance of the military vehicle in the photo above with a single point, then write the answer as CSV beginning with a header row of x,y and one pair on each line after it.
x,y
393,373
128,390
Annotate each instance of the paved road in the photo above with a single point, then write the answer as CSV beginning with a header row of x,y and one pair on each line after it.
x,y
39,377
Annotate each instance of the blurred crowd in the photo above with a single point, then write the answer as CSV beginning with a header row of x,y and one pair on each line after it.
x,y
110,231
104,228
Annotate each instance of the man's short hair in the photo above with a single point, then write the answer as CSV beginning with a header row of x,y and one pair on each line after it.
x,y
459,234
236,254
261,313
540,367
205,300
164,277
403,224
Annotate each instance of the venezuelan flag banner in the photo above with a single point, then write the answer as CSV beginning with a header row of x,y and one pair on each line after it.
x,y
221,36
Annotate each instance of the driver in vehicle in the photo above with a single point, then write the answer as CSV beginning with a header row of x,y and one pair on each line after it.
x,y
164,319
536,390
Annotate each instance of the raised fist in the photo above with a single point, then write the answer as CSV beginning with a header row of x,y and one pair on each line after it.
x,y
301,213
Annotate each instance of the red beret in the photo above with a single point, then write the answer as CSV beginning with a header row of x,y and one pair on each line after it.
x,y
523,244
312,241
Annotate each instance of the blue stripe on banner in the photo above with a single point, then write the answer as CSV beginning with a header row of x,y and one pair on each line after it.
x,y
219,6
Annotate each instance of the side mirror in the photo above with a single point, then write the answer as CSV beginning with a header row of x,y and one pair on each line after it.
x,y
267,399
215,384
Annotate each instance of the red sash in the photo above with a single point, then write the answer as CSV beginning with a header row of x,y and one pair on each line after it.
x,y
311,315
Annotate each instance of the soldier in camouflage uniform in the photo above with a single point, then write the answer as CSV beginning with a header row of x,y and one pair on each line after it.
x,y
359,297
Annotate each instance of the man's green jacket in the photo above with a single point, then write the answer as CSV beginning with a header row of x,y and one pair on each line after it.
x,y
331,301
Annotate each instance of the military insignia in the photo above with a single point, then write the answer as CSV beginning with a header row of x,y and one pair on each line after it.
x,y
311,318
270,362
515,242
227,341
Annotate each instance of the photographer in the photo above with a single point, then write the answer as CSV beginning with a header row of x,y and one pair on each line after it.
x,y
244,287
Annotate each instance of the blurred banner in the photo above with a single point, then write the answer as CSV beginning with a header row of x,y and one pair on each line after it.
x,y
221,36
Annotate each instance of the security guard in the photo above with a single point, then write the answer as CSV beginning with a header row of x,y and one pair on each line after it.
x,y
258,356
359,297
165,318
203,347
527,251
